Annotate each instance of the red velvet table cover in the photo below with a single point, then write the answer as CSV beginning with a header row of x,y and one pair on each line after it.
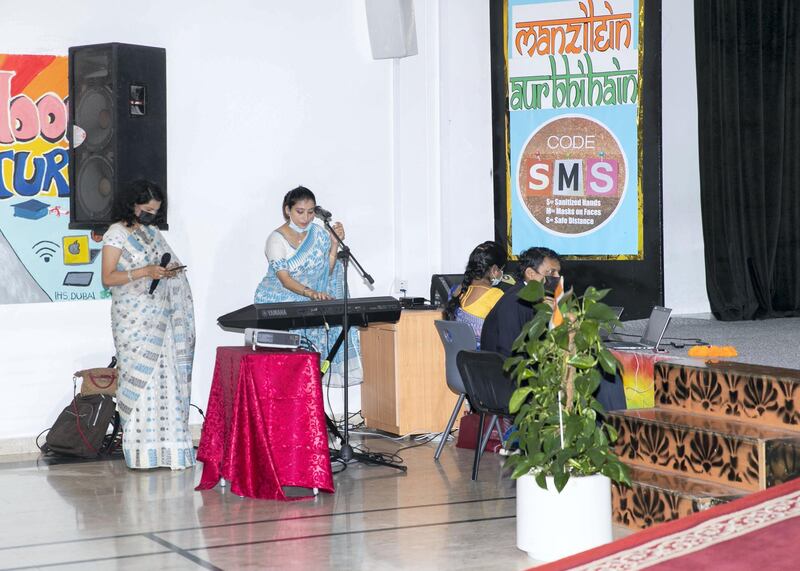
x,y
265,425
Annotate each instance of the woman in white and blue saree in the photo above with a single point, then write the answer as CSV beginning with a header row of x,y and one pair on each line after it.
x,y
154,335
303,267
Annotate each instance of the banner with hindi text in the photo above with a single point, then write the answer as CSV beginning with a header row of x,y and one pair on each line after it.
x,y
574,100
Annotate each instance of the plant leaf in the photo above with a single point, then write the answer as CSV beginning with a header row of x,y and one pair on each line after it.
x,y
512,362
522,468
600,312
582,361
572,428
625,473
561,336
536,328
608,361
589,427
589,329
595,404
532,292
518,397
560,479
601,293
525,373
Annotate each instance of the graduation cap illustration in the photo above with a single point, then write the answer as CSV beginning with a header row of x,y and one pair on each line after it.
x,y
31,209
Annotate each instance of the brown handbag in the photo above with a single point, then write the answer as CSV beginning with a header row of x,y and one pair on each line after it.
x,y
98,381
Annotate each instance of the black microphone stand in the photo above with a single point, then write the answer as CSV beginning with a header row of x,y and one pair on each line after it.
x,y
345,452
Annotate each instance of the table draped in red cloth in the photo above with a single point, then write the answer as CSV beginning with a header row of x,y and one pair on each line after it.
x,y
265,425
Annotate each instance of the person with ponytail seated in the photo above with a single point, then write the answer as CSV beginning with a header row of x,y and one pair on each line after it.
x,y
472,301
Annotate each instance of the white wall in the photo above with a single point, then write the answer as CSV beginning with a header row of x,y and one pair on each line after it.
x,y
684,262
467,205
265,96
261,97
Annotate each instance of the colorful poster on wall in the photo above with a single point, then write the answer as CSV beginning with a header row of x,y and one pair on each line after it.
x,y
573,102
42,259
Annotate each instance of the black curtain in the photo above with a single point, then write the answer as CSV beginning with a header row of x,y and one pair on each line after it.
x,y
748,92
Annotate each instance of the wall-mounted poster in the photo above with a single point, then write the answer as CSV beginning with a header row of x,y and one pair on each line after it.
x,y
42,259
573,130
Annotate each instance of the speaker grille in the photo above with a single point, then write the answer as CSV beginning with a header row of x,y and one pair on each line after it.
x,y
94,115
95,179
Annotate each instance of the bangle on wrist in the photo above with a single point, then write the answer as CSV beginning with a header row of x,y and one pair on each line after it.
x,y
130,275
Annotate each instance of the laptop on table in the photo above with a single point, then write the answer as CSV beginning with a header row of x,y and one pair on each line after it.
x,y
654,331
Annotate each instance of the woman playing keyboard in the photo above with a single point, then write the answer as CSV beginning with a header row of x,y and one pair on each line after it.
x,y
302,267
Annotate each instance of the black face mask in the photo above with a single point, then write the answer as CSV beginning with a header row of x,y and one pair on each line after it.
x,y
146,218
550,284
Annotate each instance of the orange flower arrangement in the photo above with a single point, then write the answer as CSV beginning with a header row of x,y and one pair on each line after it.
x,y
713,351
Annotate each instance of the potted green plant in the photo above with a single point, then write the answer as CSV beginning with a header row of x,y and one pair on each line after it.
x,y
565,463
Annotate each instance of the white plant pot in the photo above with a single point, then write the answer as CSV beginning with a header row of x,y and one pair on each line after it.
x,y
552,525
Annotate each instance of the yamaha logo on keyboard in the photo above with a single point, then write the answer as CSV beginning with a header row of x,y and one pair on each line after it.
x,y
277,312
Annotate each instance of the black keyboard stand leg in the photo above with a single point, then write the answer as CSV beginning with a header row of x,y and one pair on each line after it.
x,y
346,453
332,428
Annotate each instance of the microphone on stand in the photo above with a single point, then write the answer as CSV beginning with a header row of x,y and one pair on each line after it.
x,y
322,214
164,261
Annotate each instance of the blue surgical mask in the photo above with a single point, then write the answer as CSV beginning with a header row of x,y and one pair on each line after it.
x,y
297,228
495,281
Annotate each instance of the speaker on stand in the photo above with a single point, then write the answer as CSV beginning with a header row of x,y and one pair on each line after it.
x,y
392,28
118,113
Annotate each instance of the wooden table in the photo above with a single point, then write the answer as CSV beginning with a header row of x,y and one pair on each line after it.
x,y
404,388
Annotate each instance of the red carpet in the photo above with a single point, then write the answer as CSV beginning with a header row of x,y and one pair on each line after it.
x,y
760,531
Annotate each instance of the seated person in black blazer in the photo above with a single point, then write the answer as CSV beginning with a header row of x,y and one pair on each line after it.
x,y
504,322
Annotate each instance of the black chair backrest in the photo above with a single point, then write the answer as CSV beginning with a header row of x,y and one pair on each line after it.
x,y
488,387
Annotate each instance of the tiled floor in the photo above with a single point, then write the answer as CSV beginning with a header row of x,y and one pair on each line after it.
x,y
100,515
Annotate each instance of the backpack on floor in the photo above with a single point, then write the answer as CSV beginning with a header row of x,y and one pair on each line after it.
x,y
80,429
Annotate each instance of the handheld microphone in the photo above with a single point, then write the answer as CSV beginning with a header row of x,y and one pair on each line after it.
x,y
164,261
322,214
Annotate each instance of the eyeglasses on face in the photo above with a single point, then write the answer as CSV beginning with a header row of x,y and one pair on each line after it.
x,y
552,272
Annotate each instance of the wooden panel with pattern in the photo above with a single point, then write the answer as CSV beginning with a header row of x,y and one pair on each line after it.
x,y
658,496
734,390
639,507
715,457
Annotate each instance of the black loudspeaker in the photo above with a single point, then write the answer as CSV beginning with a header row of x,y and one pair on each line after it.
x,y
118,98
